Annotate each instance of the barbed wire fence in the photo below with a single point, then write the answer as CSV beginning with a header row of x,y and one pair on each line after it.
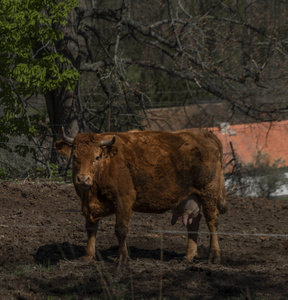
x,y
176,232
69,252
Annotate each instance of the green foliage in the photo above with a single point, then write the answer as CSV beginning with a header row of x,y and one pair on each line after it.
x,y
52,173
27,45
29,62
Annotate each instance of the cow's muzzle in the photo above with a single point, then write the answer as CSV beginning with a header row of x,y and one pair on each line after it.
x,y
84,180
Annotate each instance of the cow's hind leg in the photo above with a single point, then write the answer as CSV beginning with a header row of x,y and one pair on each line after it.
x,y
123,214
121,231
211,213
192,238
91,228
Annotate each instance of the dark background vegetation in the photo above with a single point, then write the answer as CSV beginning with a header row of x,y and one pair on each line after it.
x,y
106,64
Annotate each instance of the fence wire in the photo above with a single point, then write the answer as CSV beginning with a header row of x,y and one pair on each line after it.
x,y
257,234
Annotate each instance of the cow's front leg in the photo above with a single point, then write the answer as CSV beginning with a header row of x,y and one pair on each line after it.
x,y
91,228
192,237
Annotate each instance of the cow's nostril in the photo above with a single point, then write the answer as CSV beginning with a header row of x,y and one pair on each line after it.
x,y
83,179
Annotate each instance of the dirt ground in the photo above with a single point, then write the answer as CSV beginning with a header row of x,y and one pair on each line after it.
x,y
42,240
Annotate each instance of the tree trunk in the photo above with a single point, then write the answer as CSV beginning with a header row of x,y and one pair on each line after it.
x,y
63,110
64,106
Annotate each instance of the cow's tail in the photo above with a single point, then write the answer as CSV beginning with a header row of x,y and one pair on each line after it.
x,y
222,204
221,199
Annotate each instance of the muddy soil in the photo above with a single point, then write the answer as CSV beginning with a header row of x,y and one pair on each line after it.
x,y
42,240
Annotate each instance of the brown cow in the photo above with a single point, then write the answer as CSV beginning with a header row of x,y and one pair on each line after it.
x,y
149,172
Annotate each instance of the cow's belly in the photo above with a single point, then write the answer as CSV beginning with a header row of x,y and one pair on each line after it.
x,y
155,206
156,203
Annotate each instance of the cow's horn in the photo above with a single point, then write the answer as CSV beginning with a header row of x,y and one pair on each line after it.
x,y
67,139
109,142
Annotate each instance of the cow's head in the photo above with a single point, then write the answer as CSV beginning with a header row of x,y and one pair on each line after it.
x,y
88,152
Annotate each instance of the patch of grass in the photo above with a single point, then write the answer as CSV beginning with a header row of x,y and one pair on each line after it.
x,y
25,269
284,197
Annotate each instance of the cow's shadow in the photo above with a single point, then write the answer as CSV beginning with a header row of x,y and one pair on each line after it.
x,y
52,254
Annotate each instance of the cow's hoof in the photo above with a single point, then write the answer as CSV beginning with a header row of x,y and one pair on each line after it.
x,y
217,260
189,258
88,258
121,262
214,260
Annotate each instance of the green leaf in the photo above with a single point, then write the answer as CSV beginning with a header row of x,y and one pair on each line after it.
x,y
28,60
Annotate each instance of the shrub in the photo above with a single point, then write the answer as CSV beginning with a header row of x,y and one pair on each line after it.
x,y
260,178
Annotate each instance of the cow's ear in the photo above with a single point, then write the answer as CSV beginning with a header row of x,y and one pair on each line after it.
x,y
63,148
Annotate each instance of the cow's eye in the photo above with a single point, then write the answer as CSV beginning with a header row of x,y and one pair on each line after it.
x,y
74,157
97,158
